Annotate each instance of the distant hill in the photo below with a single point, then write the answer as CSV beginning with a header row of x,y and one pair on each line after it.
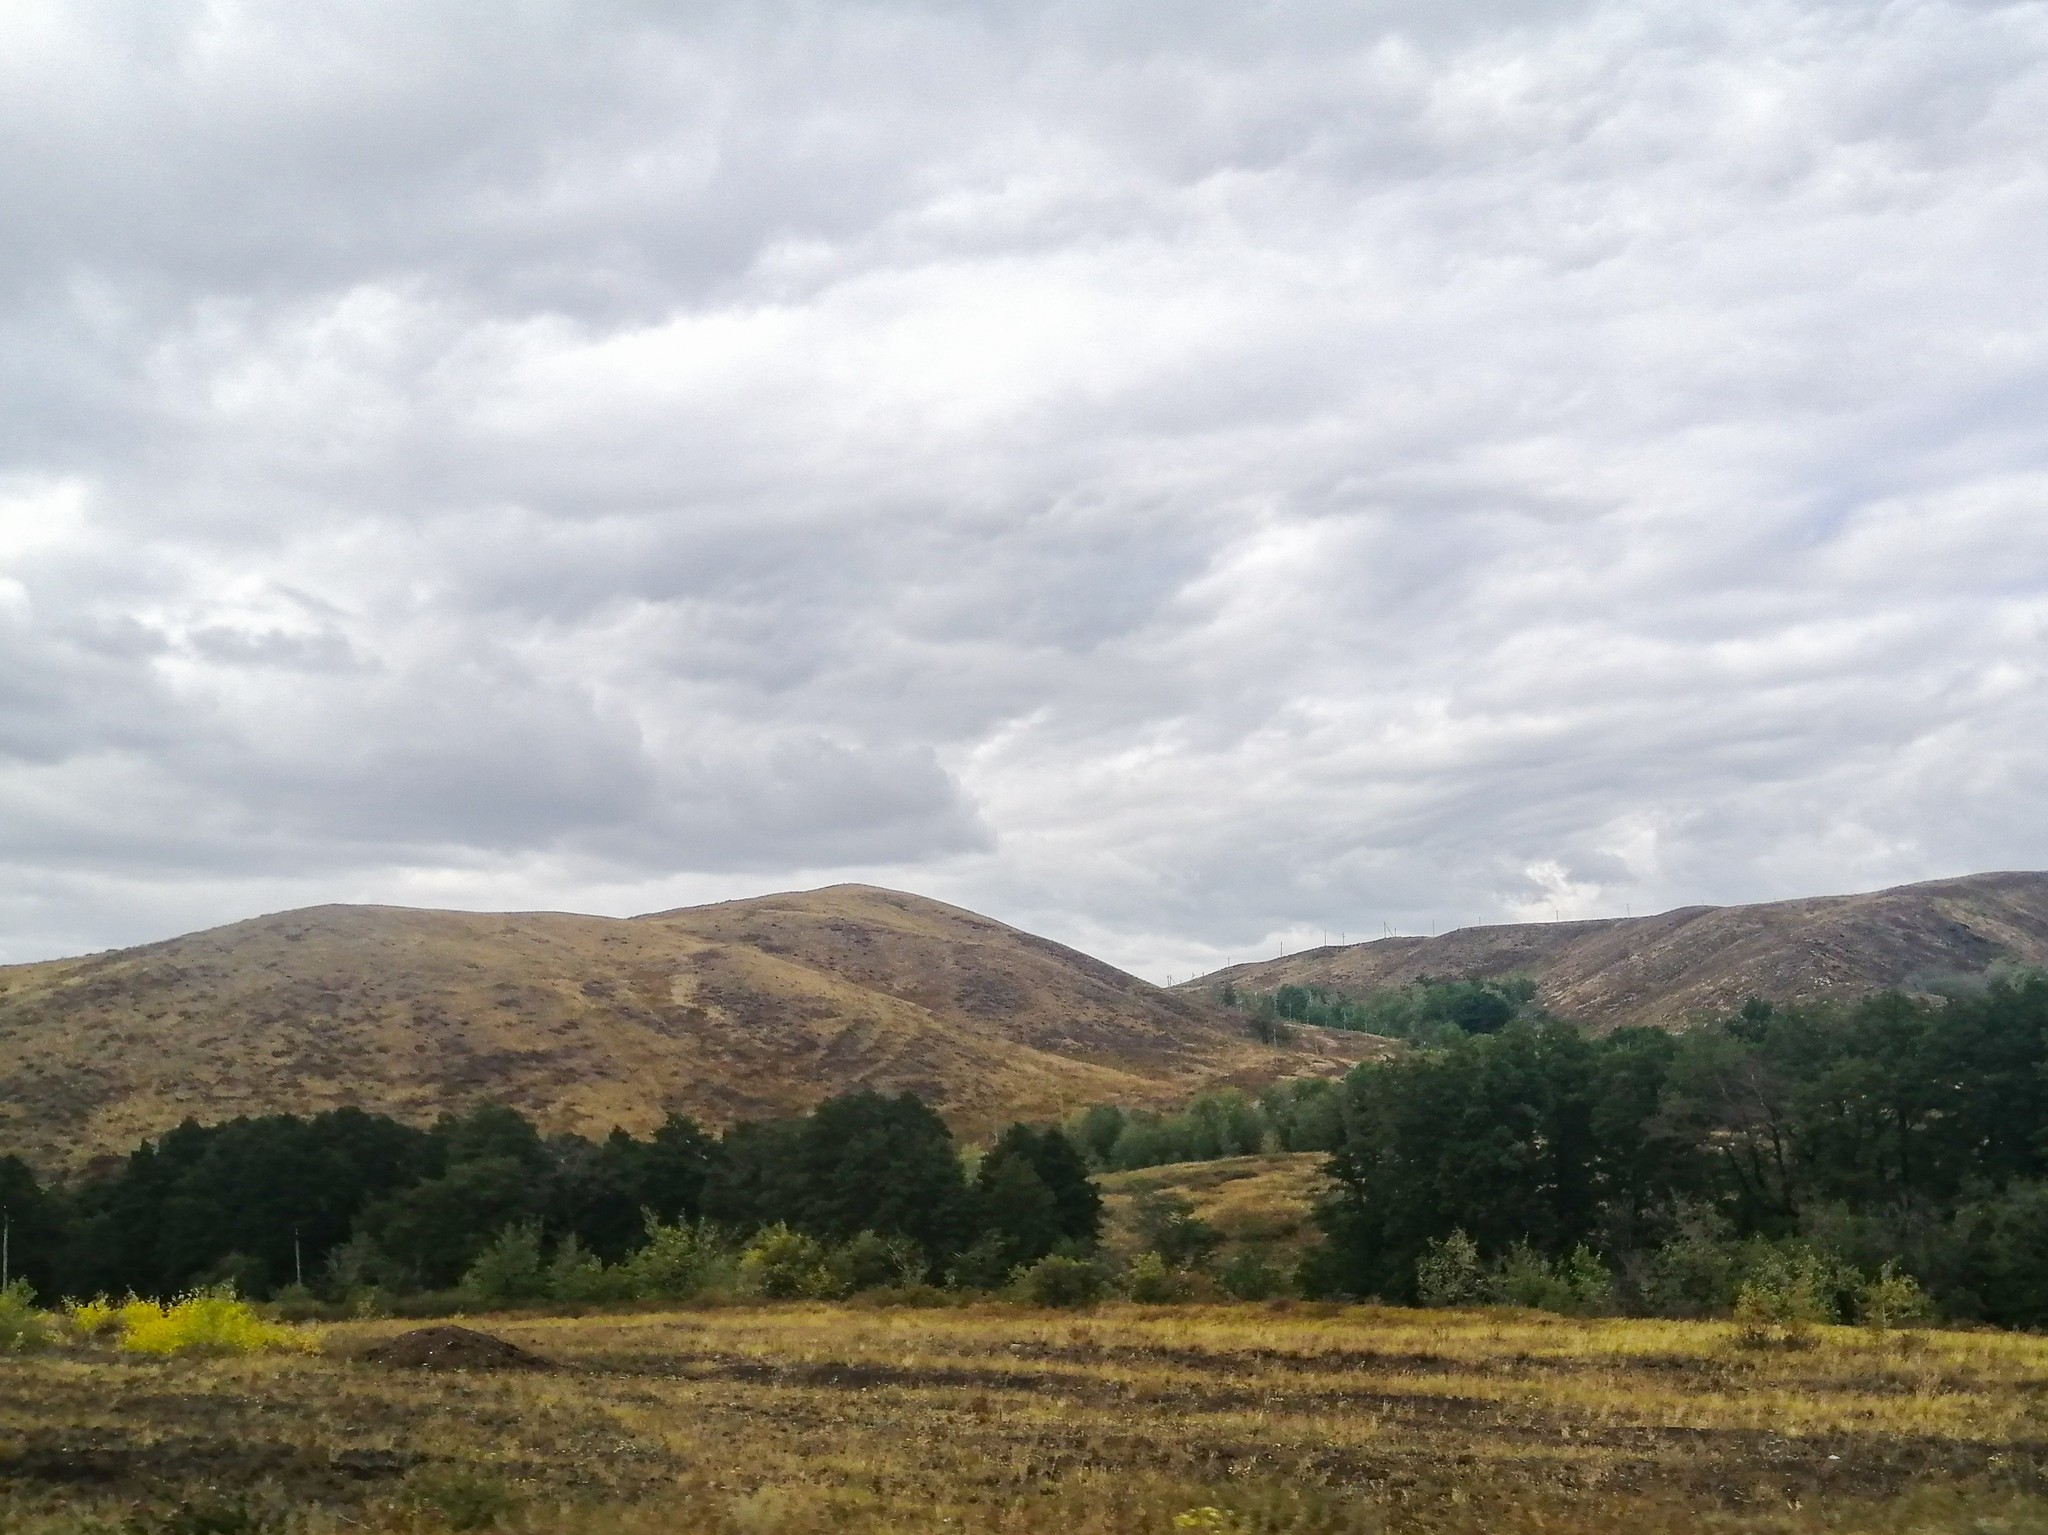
x,y
1699,960
744,1009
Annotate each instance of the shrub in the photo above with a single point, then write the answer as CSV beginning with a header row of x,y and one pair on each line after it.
x,y
509,1270
577,1274
1247,1276
1789,1289
1697,1270
89,1319
1166,1223
211,1321
781,1264
872,1262
1448,1273
1893,1299
1577,1285
22,1327
678,1262
984,1266
1061,1281
1150,1282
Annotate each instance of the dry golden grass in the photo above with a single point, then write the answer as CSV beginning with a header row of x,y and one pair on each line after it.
x,y
988,1418
1264,1203
749,1008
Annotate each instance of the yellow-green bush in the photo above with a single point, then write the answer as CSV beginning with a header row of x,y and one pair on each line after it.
x,y
22,1327
781,1264
210,1321
95,1318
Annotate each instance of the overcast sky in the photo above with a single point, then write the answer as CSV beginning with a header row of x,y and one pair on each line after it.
x,y
1178,476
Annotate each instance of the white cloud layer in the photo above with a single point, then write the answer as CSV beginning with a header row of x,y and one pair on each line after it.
x,y
1180,477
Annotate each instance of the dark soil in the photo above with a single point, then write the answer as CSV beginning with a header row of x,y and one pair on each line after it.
x,y
453,1348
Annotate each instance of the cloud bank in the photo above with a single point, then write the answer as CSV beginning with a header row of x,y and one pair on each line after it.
x,y
1181,477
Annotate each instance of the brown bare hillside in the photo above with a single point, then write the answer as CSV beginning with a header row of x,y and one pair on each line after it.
x,y
1667,970
749,1008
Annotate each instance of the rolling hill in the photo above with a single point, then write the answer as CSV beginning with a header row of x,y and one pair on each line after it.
x,y
1669,969
743,1009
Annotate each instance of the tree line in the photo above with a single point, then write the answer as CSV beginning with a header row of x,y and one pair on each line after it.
x,y
349,1199
1303,1115
1428,1010
1902,1135
1890,1148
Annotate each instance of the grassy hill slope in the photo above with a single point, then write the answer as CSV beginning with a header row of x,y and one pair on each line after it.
x,y
1667,969
748,1008
1263,1204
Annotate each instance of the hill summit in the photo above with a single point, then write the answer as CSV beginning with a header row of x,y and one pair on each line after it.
x,y
1671,969
745,1009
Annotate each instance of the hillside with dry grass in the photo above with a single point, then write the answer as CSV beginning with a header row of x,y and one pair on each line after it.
x,y
744,1009
1262,1204
1670,969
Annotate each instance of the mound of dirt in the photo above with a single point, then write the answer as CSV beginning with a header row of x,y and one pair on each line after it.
x,y
453,1348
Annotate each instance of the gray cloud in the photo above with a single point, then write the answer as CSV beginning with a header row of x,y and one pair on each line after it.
x,y
1179,477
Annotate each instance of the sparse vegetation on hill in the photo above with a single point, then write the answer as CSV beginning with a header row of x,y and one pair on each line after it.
x,y
1679,967
746,1010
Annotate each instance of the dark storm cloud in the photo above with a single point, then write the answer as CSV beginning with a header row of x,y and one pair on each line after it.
x,y
1179,476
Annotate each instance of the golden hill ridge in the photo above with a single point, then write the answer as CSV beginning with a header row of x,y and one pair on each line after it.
x,y
1671,969
744,1009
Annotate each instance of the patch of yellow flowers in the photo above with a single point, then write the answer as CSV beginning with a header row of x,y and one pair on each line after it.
x,y
211,1321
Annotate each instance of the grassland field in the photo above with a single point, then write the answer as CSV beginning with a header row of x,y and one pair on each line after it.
x,y
1263,1204
753,1420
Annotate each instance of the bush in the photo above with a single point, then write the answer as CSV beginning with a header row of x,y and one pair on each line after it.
x,y
1060,1281
1166,1223
90,1319
1449,1273
781,1264
508,1271
578,1275
1150,1282
1790,1288
1696,1271
984,1266
213,1321
1893,1299
872,1262
1247,1276
22,1327
1578,1285
678,1262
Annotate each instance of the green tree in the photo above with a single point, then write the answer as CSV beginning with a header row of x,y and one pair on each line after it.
x,y
887,1165
1017,1210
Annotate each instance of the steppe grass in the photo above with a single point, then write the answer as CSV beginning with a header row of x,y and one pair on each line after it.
x,y
1260,1203
1290,1418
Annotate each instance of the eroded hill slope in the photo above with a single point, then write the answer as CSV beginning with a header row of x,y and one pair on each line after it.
x,y
747,1008
1669,969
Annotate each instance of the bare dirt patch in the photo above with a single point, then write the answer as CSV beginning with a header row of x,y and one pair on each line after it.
x,y
452,1348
